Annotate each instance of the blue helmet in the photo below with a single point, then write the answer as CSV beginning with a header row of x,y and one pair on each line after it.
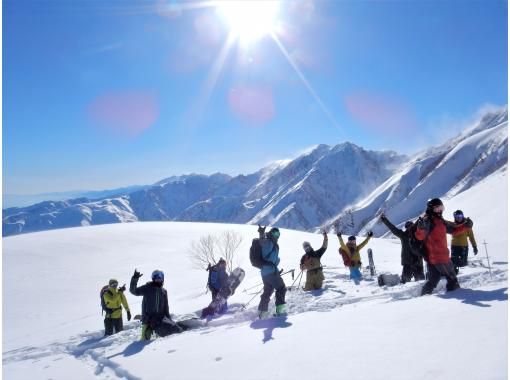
x,y
158,276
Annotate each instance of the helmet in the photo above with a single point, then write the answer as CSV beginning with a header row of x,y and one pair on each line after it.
x,y
435,205
458,215
158,276
408,224
351,238
221,261
113,283
274,232
307,246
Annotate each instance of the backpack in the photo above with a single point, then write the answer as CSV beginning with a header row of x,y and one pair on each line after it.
x,y
417,246
256,258
106,309
213,281
345,256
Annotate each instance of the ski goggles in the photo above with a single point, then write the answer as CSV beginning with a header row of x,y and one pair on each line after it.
x,y
276,234
114,284
438,209
459,216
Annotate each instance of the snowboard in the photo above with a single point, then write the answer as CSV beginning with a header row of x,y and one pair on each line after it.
x,y
371,264
216,305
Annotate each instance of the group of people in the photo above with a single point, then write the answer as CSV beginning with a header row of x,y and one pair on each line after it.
x,y
430,230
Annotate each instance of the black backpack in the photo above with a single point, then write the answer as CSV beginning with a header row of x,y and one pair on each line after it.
x,y
256,258
417,246
106,309
213,280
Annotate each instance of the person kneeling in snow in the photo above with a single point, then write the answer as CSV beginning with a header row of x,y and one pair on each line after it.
x,y
351,252
155,314
311,262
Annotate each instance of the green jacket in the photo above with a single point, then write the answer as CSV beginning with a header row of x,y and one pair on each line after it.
x,y
115,300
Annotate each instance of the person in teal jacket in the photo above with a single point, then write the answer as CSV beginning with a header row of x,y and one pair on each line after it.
x,y
270,273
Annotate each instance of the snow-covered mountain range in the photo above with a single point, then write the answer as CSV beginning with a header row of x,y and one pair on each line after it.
x,y
342,185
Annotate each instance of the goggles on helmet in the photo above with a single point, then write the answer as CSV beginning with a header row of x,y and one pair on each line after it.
x,y
275,234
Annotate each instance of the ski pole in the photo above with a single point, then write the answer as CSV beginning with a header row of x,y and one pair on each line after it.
x,y
251,299
298,277
487,254
251,287
299,284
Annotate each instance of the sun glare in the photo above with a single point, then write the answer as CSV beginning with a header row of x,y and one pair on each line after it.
x,y
249,20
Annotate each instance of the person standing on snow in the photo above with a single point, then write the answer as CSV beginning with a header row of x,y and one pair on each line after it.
x,y
217,279
113,300
412,265
311,262
459,245
155,313
352,251
432,230
269,272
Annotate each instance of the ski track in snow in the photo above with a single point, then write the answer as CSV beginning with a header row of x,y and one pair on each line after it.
x,y
91,347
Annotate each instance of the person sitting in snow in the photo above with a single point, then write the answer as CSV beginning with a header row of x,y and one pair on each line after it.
x,y
352,251
311,262
155,313
459,245
412,265
432,229
114,299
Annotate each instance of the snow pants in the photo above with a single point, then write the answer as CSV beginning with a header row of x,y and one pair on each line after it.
x,y
410,271
272,282
355,275
112,325
164,328
435,272
314,279
459,256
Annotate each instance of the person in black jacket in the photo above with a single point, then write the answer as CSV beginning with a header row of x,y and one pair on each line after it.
x,y
412,265
155,313
311,262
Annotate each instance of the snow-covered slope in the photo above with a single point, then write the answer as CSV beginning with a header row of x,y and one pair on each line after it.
x,y
300,194
52,323
442,171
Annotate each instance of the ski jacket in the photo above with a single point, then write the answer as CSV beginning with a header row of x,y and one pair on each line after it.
x,y
270,251
406,256
115,300
433,230
460,237
154,303
312,260
353,253
217,277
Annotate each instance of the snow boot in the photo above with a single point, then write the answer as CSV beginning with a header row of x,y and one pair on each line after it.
x,y
280,310
263,314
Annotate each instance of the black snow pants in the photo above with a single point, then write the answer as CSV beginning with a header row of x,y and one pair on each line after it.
x,y
435,272
112,325
272,282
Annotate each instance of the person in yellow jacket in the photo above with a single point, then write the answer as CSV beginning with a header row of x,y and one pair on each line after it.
x,y
459,245
351,250
113,300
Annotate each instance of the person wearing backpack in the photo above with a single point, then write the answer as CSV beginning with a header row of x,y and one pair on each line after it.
x,y
351,251
155,313
412,265
431,228
459,244
112,300
311,262
217,279
269,271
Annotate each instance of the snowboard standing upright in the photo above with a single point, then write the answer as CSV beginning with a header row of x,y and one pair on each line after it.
x,y
233,281
371,262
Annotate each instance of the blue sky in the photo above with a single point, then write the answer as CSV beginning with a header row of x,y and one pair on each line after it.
x,y
100,94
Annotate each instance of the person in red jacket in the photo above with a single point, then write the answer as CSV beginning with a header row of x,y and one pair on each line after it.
x,y
432,229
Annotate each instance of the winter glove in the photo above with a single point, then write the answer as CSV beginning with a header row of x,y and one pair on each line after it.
x,y
137,274
128,315
339,233
383,216
468,223
370,234
420,223
261,229
122,288
475,250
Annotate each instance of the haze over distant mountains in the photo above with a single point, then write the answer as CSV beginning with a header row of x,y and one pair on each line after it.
x,y
343,185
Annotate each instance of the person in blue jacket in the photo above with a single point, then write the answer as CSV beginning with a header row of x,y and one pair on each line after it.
x,y
270,273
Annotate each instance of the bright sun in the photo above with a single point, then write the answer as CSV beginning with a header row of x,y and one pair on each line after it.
x,y
249,20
